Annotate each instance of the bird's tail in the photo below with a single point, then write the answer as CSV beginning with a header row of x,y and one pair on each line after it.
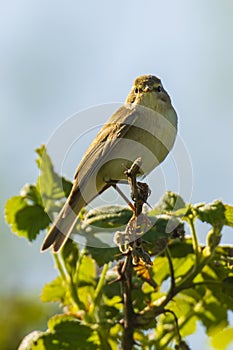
x,y
64,223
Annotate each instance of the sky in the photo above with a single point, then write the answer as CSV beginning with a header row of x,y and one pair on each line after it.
x,y
60,58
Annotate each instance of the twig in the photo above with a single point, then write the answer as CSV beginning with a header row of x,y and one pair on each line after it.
x,y
139,191
139,194
127,340
176,323
123,196
172,287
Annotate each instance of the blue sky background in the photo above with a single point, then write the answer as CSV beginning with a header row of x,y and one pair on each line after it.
x,y
60,57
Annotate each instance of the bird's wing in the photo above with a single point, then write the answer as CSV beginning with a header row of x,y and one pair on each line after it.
x,y
114,129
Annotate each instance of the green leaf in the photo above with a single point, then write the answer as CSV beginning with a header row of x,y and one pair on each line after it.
x,y
12,206
100,251
213,213
104,255
65,332
227,286
211,312
108,313
183,265
164,228
216,278
180,249
25,220
30,220
66,186
30,340
229,215
50,185
70,255
108,216
222,339
222,262
86,276
26,213
54,291
160,269
169,202
31,194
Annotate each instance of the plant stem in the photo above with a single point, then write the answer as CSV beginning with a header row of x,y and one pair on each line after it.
x,y
78,265
172,287
59,266
127,340
68,281
98,291
74,294
167,337
100,284
194,240
176,323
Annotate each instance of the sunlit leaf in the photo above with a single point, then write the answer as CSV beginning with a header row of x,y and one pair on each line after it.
x,y
54,291
222,339
213,213
65,332
182,265
211,312
50,185
87,272
160,269
229,215
30,341
25,220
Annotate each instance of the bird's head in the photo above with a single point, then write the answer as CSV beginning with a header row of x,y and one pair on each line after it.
x,y
148,91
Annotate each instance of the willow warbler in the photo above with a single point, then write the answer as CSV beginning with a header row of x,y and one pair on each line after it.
x,y
145,126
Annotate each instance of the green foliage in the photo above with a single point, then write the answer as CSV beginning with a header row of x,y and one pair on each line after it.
x,y
25,218
65,332
217,214
108,217
176,281
222,339
52,188
30,212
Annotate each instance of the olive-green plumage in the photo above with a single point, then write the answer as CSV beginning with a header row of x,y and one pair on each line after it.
x,y
145,126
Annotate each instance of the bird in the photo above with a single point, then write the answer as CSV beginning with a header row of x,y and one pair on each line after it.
x,y
144,126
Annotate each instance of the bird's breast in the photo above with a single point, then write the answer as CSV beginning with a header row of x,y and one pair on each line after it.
x,y
149,136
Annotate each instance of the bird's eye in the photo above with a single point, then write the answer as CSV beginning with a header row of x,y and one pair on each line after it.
x,y
159,88
136,90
